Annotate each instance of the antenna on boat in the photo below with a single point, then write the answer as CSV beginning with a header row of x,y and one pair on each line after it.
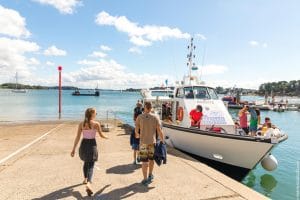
x,y
203,59
190,56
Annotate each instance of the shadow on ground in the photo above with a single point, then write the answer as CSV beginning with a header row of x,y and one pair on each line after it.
x,y
63,193
124,192
123,169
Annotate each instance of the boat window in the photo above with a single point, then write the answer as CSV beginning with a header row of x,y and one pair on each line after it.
x,y
180,93
161,93
201,93
212,93
189,92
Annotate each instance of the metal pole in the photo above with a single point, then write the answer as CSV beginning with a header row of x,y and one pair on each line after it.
x,y
59,91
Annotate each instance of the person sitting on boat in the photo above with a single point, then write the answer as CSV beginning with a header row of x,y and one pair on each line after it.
x,y
243,118
196,116
190,95
264,126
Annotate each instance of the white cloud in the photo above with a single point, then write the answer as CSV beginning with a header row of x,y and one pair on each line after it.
x,y
264,45
64,6
200,36
98,54
12,57
135,50
111,75
140,35
212,69
54,51
49,63
33,61
12,23
255,43
105,48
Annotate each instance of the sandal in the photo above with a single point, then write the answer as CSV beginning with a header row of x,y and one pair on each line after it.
x,y
89,192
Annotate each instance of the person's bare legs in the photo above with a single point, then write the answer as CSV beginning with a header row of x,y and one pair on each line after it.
x,y
134,155
145,169
151,166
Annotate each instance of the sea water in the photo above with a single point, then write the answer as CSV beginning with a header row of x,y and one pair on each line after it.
x,y
42,105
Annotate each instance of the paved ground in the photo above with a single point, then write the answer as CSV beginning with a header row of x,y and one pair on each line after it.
x,y
45,170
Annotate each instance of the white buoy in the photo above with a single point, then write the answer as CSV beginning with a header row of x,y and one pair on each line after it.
x,y
269,163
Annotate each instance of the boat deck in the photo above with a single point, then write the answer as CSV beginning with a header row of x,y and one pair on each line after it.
x,y
42,168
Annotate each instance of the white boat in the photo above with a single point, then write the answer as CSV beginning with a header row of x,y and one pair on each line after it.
x,y
18,90
217,139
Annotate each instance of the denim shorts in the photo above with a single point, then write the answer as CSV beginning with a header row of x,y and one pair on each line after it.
x,y
253,128
135,146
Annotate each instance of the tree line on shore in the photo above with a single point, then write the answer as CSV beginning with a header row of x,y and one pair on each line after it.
x,y
291,88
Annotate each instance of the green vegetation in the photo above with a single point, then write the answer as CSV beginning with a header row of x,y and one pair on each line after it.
x,y
36,87
291,88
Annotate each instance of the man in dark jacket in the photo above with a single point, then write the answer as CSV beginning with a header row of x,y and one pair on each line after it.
x,y
135,142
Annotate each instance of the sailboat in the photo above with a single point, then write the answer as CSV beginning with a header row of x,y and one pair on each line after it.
x,y
18,90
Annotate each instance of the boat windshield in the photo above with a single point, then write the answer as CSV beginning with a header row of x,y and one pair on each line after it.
x,y
161,92
197,92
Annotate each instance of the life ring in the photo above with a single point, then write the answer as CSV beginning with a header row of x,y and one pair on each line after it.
x,y
180,113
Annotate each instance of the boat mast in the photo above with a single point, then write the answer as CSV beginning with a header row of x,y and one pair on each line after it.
x,y
190,57
16,80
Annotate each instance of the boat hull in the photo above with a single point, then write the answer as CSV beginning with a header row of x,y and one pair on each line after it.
x,y
240,151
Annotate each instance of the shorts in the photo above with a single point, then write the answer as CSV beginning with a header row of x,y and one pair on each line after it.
x,y
135,147
146,152
253,128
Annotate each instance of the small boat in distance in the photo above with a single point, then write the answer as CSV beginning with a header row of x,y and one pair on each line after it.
x,y
18,90
78,93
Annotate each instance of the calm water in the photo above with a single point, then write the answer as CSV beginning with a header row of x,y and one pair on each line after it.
x,y
42,105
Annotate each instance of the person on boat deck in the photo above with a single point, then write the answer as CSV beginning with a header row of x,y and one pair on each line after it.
x,y
258,116
135,141
190,95
253,121
243,118
264,126
196,116
268,132
88,148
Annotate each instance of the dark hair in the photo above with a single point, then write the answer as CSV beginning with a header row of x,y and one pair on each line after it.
x,y
267,118
257,112
148,105
199,107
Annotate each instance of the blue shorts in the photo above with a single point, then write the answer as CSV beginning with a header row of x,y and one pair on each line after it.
x,y
135,147
253,128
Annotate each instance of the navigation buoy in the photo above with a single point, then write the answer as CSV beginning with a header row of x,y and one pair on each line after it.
x,y
269,163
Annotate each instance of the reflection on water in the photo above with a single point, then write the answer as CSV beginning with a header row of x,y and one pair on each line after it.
x,y
250,180
268,183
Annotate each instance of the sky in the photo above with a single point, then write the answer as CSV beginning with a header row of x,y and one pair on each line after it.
x,y
131,43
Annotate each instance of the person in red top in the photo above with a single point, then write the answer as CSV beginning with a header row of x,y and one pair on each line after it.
x,y
196,116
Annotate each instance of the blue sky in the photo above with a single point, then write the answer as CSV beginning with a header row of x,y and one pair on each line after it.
x,y
246,42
